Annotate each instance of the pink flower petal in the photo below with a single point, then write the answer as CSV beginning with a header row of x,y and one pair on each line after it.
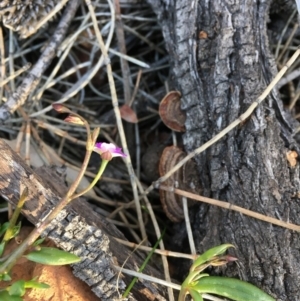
x,y
102,147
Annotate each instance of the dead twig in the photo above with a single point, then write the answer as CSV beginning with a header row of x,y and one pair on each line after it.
x,y
230,206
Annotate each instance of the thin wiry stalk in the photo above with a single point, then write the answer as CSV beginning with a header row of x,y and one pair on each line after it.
x,y
283,33
14,75
84,80
2,64
118,118
157,251
161,243
233,207
161,282
122,47
188,225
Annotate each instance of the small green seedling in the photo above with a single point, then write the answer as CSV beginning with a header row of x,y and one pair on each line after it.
x,y
197,284
44,255
17,290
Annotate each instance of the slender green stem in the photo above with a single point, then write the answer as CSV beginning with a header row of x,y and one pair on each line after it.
x,y
10,230
96,179
134,280
185,285
182,294
91,140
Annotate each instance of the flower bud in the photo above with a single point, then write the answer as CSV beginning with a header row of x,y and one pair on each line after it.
x,y
74,119
60,108
106,156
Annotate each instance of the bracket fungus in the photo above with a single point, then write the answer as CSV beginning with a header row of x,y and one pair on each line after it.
x,y
171,113
185,178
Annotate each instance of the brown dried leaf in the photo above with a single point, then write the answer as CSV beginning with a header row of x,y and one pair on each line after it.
x,y
128,114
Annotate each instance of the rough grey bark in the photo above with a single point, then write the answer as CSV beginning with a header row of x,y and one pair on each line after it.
x,y
219,76
77,229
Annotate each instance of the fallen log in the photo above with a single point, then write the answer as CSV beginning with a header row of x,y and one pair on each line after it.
x,y
77,229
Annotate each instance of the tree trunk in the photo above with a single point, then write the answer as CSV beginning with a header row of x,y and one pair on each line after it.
x,y
220,62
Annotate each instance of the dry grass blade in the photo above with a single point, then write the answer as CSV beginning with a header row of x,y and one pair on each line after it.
x,y
14,75
32,79
162,282
161,243
83,80
229,206
188,226
122,46
2,64
157,251
122,137
118,118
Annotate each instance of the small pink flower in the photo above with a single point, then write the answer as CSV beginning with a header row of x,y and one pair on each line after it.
x,y
108,150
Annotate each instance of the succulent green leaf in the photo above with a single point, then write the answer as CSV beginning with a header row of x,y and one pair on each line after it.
x,y
2,246
36,284
39,241
12,232
195,295
52,256
231,288
196,278
6,277
3,228
17,288
16,229
210,254
5,296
